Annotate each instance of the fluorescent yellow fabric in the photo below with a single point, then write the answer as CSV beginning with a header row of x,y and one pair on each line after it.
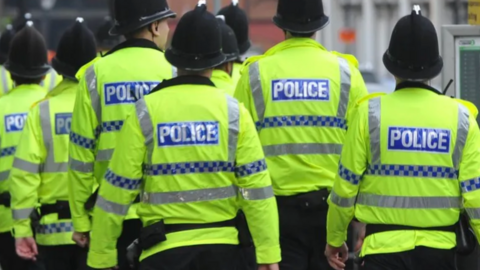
x,y
236,73
43,147
126,177
402,186
13,113
6,83
102,104
223,81
301,135
52,79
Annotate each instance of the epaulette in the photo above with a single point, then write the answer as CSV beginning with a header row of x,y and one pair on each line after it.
x,y
469,105
370,96
350,58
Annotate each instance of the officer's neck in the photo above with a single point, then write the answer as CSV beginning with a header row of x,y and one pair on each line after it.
x,y
207,73
289,35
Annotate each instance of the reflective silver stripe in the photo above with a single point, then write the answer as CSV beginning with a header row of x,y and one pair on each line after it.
x,y
77,165
104,155
252,194
174,72
4,175
409,202
4,80
473,213
21,213
199,195
256,88
50,166
462,132
233,126
53,78
341,201
145,121
91,80
374,128
302,149
345,83
111,207
26,166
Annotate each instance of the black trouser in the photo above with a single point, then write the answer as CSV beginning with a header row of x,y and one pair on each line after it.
x,y
8,256
64,257
130,232
201,257
421,258
303,238
247,259
470,261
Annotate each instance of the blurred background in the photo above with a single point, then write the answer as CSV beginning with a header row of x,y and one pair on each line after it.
x,y
359,27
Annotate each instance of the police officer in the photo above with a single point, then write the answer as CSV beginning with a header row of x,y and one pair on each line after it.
x,y
409,160
199,149
222,75
108,89
39,172
106,42
52,79
5,39
237,19
27,64
301,98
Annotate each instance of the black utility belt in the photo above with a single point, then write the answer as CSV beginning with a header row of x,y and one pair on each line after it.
x,y
315,200
378,228
156,233
5,199
62,208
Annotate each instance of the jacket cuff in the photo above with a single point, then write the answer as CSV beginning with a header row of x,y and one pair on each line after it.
x,y
336,239
268,255
102,260
22,230
82,224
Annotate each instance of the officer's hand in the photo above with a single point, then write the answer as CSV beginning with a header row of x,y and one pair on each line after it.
x,y
26,248
337,256
81,238
273,266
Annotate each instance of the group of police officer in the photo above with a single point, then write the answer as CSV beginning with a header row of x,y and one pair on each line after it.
x,y
168,157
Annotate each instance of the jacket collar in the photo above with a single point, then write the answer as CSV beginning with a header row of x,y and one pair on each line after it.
x,y
134,43
410,84
182,80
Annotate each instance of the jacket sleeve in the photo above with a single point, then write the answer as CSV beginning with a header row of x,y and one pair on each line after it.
x,y
24,176
358,90
83,139
243,92
257,200
118,190
470,176
346,184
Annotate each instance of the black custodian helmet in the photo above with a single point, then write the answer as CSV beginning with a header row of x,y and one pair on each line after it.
x,y
413,53
75,49
237,19
28,54
131,15
5,41
197,41
300,16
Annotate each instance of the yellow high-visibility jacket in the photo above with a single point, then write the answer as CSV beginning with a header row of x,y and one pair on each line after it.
x,y
410,158
14,108
193,161
108,89
39,173
223,81
301,97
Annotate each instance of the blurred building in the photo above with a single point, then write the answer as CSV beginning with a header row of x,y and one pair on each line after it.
x,y
360,27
